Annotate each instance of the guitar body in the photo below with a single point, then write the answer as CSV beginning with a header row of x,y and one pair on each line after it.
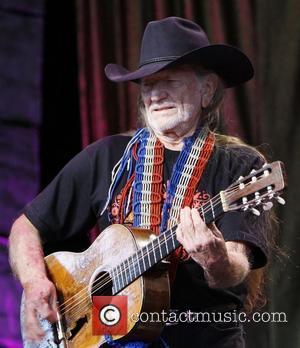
x,y
73,275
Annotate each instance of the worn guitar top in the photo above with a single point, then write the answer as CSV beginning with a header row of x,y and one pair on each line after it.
x,y
71,205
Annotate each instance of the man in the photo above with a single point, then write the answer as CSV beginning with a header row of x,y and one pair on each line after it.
x,y
160,175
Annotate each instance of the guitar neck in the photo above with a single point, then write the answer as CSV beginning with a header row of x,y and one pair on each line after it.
x,y
158,249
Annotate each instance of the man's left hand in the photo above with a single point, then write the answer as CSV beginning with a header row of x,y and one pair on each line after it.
x,y
224,263
205,245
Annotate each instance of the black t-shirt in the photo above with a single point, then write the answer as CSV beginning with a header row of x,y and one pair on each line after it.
x,y
71,205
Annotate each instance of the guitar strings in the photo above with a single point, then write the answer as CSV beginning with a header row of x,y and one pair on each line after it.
x,y
105,280
83,309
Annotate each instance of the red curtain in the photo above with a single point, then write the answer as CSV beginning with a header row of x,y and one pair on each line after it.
x,y
111,32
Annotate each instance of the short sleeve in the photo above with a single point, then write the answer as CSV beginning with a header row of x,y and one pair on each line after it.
x,y
63,209
244,226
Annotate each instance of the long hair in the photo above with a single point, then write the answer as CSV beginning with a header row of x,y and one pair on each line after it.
x,y
256,279
267,223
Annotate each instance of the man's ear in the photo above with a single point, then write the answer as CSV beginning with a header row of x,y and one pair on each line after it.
x,y
210,84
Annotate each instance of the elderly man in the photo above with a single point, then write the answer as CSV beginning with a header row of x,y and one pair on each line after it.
x,y
160,176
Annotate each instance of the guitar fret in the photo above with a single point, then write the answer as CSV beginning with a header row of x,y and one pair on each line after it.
x,y
159,247
138,264
147,253
212,209
114,280
153,248
118,279
151,253
133,266
121,275
124,272
129,269
163,246
173,239
166,242
143,259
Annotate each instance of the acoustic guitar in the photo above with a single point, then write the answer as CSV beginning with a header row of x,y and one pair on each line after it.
x,y
130,261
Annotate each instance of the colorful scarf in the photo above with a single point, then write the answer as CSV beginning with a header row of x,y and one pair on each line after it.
x,y
143,192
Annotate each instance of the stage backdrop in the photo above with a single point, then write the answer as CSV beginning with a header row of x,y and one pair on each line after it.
x,y
55,99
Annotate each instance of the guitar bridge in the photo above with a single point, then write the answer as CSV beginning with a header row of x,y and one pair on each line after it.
x,y
58,332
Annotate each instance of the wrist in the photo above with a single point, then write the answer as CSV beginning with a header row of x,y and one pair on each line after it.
x,y
36,276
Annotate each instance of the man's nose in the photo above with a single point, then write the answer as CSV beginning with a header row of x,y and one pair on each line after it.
x,y
158,93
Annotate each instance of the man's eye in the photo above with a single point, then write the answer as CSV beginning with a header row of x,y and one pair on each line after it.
x,y
146,85
174,83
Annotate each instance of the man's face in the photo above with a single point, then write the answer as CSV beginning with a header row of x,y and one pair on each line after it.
x,y
172,100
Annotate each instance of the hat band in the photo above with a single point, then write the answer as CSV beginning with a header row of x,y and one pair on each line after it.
x,y
159,59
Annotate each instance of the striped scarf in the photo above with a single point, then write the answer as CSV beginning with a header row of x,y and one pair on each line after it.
x,y
143,192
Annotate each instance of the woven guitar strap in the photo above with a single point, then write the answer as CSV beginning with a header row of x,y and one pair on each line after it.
x,y
143,193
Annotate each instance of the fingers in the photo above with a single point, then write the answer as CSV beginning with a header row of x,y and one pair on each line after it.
x,y
46,311
40,303
194,234
186,222
215,231
32,329
188,229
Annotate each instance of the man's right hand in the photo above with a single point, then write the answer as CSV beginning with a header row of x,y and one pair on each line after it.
x,y
27,261
40,302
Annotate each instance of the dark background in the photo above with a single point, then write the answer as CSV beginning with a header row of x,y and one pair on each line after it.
x,y
55,99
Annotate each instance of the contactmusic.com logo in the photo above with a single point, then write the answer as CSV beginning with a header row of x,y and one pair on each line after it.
x,y
109,315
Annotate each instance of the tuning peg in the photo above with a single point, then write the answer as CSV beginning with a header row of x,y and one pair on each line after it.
x,y
245,201
255,211
267,205
280,200
257,198
270,192
241,185
253,171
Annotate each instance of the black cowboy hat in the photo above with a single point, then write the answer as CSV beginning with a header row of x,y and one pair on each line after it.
x,y
172,41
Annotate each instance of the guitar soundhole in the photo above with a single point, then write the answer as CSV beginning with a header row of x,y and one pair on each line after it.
x,y
102,285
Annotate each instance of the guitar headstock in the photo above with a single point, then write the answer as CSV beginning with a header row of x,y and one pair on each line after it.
x,y
259,187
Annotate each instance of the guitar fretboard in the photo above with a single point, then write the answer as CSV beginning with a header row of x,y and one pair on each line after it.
x,y
158,249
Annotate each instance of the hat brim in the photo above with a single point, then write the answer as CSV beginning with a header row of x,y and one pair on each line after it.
x,y
228,62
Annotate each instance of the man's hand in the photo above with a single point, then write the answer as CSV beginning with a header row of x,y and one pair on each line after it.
x,y
27,261
224,263
40,302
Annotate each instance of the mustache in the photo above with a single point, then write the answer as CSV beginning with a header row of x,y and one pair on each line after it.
x,y
161,107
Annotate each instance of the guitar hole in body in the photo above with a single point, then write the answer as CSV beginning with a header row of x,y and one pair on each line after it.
x,y
102,285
